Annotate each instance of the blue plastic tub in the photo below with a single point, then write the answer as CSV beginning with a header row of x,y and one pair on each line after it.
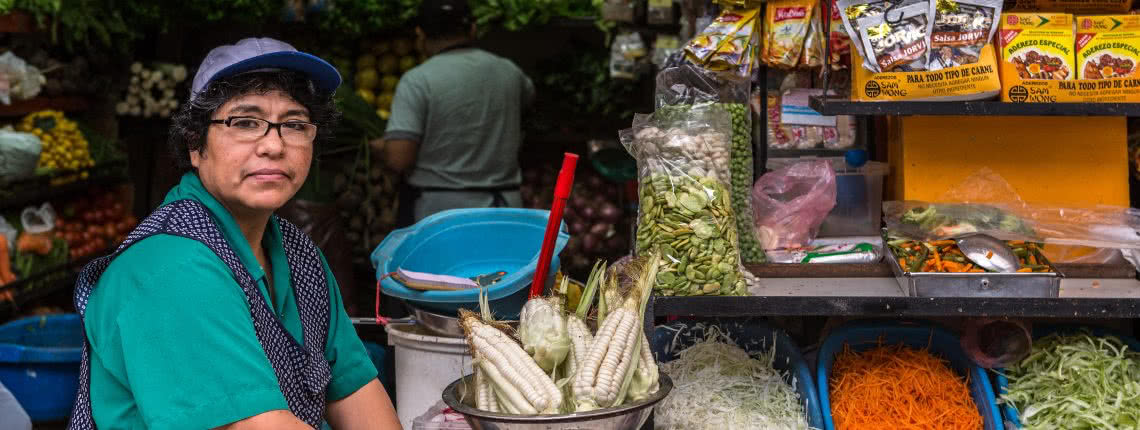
x,y
864,336
1009,412
39,363
750,335
467,243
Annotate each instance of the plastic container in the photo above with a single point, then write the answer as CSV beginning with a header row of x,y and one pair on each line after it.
x,y
751,335
1010,413
39,363
425,365
859,197
467,243
864,336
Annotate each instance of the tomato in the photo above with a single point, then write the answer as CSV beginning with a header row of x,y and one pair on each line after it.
x,y
59,223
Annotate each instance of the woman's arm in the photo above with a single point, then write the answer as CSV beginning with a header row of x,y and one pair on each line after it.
x,y
368,408
271,420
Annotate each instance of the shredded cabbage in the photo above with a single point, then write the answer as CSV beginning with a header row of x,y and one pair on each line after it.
x,y
718,385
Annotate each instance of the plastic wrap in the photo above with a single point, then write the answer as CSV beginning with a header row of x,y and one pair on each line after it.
x,y
19,153
37,220
986,203
792,202
728,44
690,88
685,212
21,81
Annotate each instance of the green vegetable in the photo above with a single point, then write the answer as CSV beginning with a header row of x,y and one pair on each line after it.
x,y
1077,382
690,222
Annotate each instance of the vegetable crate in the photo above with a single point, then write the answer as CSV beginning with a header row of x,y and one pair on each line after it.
x,y
750,335
1010,413
864,336
935,284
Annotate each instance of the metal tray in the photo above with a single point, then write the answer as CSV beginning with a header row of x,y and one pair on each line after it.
x,y
934,284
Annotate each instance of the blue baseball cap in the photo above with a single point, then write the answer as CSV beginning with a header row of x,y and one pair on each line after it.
x,y
257,54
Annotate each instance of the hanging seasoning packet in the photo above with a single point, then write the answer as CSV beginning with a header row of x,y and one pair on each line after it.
x,y
840,42
900,45
727,43
962,28
813,43
786,24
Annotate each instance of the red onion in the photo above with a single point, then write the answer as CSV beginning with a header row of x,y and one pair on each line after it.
x,y
616,243
588,212
579,227
599,229
579,200
590,244
609,213
595,182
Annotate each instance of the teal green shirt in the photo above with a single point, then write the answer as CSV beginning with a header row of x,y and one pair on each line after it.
x,y
172,338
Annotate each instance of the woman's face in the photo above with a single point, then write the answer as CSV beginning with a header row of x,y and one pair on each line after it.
x,y
254,175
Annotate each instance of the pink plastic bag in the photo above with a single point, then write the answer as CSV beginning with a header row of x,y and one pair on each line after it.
x,y
791,203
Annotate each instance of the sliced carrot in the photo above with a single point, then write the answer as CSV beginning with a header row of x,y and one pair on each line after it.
x,y
1025,270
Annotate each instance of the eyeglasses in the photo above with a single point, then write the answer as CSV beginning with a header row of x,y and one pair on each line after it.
x,y
248,129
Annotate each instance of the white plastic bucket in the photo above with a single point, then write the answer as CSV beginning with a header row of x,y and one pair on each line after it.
x,y
425,364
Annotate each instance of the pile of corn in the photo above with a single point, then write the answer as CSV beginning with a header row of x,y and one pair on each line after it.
x,y
555,363
64,146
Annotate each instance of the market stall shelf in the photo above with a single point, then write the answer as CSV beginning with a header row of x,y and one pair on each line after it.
x,y
1079,298
16,22
843,106
20,194
15,294
24,107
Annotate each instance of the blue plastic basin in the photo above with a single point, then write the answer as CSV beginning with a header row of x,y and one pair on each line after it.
x,y
39,363
864,336
752,336
466,243
1009,412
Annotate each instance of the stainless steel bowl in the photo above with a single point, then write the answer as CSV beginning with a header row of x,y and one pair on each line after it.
x,y
443,325
625,417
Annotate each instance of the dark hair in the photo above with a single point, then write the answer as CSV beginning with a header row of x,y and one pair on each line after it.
x,y
192,121
445,18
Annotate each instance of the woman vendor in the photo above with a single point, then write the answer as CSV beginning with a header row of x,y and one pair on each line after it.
x,y
215,313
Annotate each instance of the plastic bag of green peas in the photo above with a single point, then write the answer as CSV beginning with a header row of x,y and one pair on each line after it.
x,y
685,89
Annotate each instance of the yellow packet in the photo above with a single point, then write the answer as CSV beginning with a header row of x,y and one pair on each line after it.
x,y
727,44
1108,46
840,42
786,24
813,43
1037,45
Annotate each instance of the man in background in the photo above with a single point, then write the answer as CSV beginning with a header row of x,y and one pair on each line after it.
x,y
455,127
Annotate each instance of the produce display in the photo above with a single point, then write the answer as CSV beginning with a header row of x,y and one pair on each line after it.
x,y
550,368
895,386
940,221
944,256
64,146
685,210
718,385
152,90
378,70
1076,381
368,201
599,227
92,225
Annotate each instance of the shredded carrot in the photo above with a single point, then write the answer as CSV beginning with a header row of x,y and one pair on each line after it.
x,y
969,267
951,266
897,387
1033,260
943,243
1025,269
989,255
937,259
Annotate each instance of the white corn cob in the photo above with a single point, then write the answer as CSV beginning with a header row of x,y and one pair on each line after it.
x,y
600,377
484,397
580,340
646,379
516,378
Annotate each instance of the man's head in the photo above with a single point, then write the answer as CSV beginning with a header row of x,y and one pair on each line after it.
x,y
445,20
257,110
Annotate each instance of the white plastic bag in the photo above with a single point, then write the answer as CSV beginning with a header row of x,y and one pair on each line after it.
x,y
18,79
19,154
38,220
9,232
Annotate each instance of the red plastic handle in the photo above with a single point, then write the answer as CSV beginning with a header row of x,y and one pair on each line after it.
x,y
561,192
